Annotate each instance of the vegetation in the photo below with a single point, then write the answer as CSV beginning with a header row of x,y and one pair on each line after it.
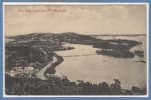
x,y
71,37
141,61
58,86
22,55
52,70
116,53
55,42
139,53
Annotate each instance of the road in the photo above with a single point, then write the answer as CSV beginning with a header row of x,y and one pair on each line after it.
x,y
40,74
51,65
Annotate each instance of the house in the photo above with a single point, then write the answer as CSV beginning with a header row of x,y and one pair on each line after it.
x,y
21,71
18,70
54,59
12,73
51,75
29,70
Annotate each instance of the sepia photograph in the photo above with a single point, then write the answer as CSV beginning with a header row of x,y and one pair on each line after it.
x,y
75,50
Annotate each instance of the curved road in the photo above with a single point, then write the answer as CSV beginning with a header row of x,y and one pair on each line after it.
x,y
49,66
41,74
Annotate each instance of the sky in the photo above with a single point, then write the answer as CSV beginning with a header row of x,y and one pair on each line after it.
x,y
88,19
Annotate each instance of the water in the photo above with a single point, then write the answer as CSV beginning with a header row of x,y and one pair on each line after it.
x,y
84,64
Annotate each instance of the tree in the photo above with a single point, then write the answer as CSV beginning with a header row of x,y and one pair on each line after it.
x,y
103,88
116,87
136,89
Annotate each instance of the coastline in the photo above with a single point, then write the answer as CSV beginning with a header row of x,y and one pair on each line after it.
x,y
49,67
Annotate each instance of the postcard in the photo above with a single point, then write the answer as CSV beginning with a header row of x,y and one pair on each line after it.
x,y
75,50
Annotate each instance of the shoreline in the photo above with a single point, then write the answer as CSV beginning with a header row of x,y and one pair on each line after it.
x,y
50,66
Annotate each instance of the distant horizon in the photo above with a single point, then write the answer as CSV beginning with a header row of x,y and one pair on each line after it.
x,y
81,34
86,20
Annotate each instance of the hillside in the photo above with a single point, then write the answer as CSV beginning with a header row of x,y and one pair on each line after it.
x,y
29,48
71,37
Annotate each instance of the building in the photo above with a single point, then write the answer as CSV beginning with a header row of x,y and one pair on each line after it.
x,y
12,73
21,71
28,70
18,70
51,75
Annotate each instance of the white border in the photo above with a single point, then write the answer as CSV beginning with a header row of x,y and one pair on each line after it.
x,y
77,3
